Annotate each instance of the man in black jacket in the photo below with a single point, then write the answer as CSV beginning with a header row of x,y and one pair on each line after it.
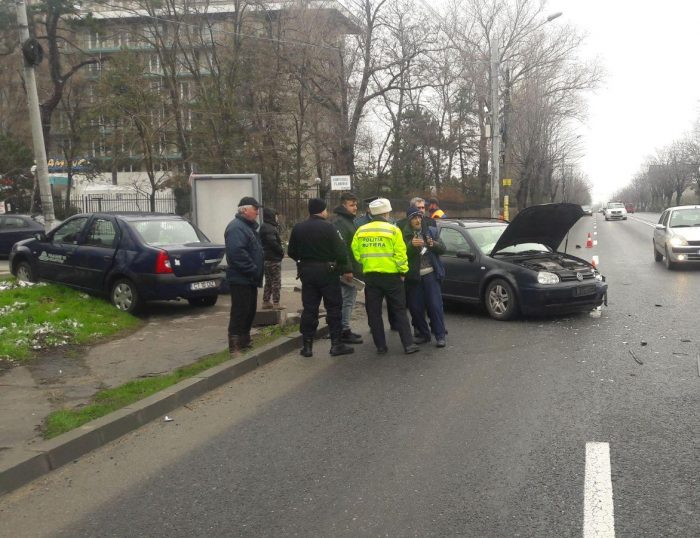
x,y
344,221
244,255
274,252
321,257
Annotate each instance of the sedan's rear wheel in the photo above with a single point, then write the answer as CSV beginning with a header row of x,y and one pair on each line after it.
x,y
209,300
25,273
667,260
500,300
125,296
657,255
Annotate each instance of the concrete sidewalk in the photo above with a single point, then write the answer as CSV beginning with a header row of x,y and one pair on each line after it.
x,y
174,335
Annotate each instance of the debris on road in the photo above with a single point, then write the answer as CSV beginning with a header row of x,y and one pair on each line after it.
x,y
635,357
167,419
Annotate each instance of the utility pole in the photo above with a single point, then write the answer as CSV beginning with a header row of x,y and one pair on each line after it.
x,y
495,129
32,57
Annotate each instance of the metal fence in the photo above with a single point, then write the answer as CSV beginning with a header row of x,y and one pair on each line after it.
x,y
89,203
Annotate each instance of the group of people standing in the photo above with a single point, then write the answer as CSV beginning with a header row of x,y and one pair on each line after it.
x,y
399,262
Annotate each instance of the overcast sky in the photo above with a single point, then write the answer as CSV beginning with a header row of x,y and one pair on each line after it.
x,y
651,94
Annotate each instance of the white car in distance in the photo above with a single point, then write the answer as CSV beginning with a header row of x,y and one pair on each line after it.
x,y
615,211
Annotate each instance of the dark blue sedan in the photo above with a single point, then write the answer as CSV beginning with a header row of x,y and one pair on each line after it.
x,y
14,228
129,257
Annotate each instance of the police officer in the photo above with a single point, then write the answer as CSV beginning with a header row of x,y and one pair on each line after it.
x,y
367,217
380,248
321,257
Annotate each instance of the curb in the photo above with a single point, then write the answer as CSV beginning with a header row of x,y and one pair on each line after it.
x,y
49,455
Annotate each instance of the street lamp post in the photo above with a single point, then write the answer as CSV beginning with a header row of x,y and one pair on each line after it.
x,y
495,120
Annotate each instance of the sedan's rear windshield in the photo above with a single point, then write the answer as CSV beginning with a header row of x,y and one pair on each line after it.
x,y
166,232
685,218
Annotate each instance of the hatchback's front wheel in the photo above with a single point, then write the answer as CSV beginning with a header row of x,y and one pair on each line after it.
x,y
500,300
125,296
667,259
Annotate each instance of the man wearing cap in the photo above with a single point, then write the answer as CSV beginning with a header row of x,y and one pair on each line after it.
x,y
245,258
424,278
380,248
321,257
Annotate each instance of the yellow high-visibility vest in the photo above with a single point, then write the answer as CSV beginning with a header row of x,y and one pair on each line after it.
x,y
379,247
438,214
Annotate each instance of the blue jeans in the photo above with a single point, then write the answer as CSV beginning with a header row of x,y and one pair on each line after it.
x,y
425,295
349,298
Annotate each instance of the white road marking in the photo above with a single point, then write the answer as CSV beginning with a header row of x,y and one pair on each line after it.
x,y
598,516
637,219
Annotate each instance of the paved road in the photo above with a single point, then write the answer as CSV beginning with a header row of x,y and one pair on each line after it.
x,y
489,437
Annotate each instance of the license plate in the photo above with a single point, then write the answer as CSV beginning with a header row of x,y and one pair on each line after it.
x,y
204,285
584,290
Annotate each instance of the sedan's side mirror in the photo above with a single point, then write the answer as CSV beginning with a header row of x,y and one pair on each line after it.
x,y
41,236
466,254
660,227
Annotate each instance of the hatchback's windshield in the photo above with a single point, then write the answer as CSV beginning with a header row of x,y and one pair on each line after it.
x,y
615,206
486,237
166,232
685,218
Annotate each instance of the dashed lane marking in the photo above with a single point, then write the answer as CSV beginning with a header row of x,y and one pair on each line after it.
x,y
598,516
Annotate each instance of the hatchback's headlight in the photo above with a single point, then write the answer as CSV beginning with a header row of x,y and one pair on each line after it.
x,y
598,276
543,277
678,241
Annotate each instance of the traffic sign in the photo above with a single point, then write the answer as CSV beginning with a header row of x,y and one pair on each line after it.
x,y
341,183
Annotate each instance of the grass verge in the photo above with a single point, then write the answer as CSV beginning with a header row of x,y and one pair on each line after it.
x,y
109,400
44,316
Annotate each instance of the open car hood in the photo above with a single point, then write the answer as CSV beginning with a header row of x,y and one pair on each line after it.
x,y
547,224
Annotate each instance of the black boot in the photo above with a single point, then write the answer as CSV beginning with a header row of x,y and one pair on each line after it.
x,y
246,341
350,337
338,348
308,347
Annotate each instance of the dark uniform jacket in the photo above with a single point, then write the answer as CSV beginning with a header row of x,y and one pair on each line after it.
x,y
433,254
270,236
317,240
244,253
343,220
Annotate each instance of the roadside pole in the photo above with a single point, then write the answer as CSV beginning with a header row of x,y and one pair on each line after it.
x,y
32,57
495,128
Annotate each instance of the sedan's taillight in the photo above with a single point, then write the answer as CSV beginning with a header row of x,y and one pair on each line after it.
x,y
163,263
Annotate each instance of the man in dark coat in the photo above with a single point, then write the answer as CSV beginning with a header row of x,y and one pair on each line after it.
x,y
343,219
274,252
424,278
245,258
321,258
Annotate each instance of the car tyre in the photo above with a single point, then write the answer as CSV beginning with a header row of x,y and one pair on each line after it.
x,y
670,265
657,255
24,272
500,300
209,300
124,296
